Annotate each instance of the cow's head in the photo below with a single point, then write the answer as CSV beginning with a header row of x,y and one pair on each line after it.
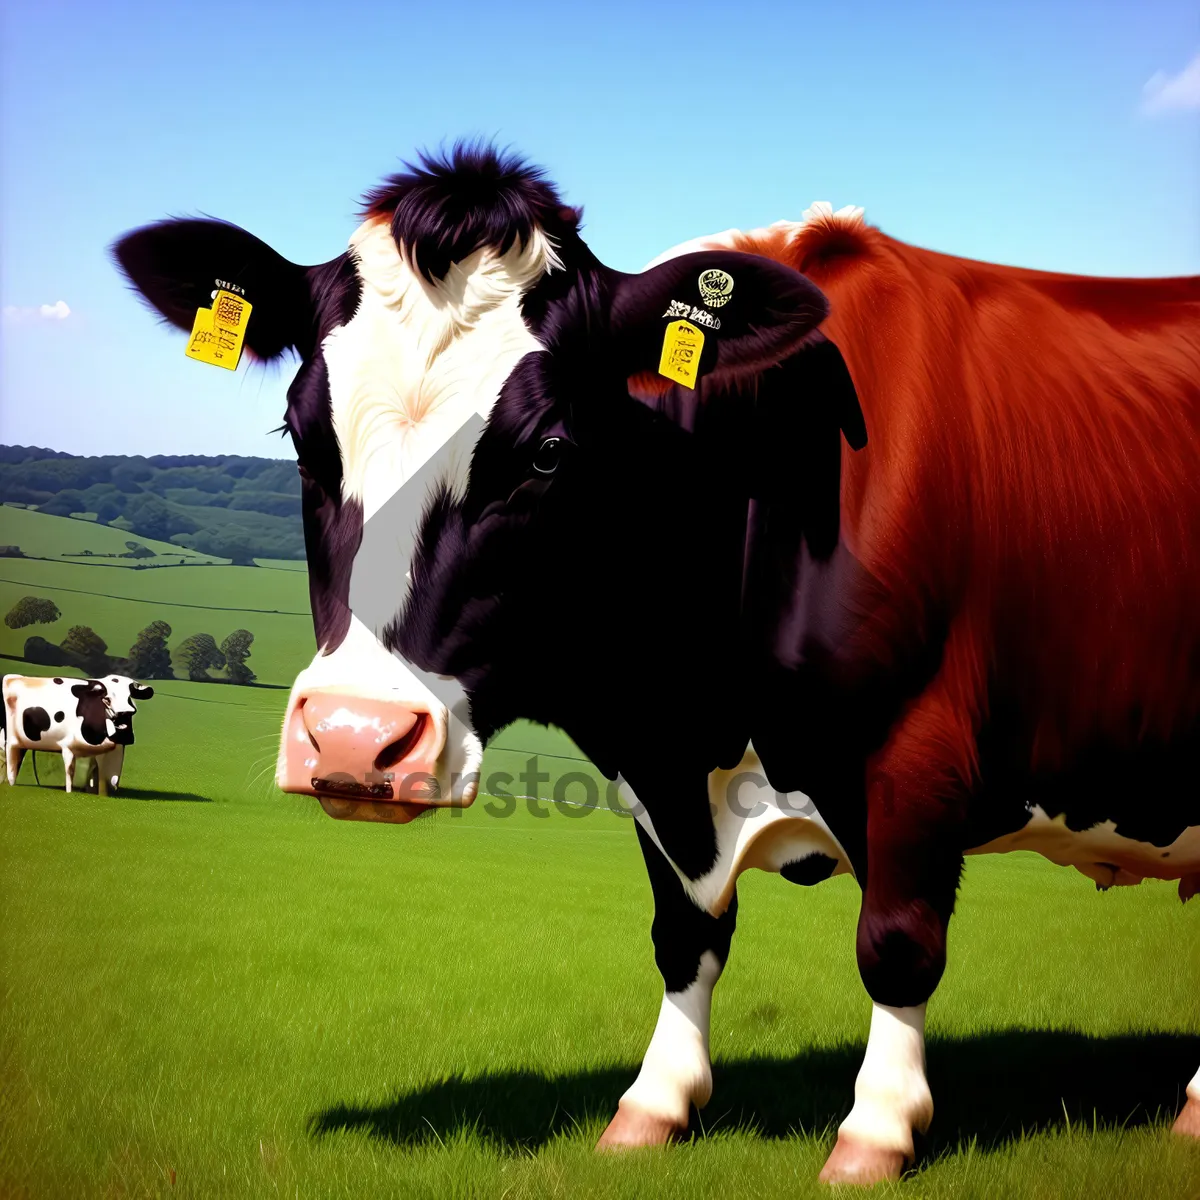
x,y
597,552
404,343
121,694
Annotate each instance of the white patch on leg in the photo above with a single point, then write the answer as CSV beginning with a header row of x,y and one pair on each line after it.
x,y
891,1094
676,1071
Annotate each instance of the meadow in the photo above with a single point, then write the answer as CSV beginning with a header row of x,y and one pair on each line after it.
x,y
212,989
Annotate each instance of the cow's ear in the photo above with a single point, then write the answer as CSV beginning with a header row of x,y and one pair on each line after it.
x,y
140,691
177,265
89,687
741,314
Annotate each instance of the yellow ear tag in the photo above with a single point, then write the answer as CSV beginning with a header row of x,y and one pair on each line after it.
x,y
680,359
218,332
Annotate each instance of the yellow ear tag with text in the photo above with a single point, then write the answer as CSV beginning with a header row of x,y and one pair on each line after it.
x,y
680,360
218,332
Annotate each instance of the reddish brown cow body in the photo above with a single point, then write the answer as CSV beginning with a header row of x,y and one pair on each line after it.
x,y
1048,500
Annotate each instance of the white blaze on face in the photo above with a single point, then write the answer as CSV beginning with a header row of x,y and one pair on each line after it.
x,y
418,358
415,362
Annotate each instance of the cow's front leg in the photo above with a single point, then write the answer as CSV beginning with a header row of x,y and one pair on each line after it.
x,y
108,770
690,948
13,755
68,767
915,803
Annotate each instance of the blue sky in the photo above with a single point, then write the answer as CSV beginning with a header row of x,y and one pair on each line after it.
x,y
1064,136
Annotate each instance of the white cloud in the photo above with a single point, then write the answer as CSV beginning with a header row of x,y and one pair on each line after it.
x,y
58,311
1164,92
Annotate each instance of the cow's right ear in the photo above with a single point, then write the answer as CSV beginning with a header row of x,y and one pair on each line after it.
x,y
89,687
177,265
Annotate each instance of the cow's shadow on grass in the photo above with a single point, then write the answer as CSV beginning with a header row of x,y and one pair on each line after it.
x,y
987,1090
132,793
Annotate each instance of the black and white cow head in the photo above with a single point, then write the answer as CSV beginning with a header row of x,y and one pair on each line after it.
x,y
120,694
401,340
463,267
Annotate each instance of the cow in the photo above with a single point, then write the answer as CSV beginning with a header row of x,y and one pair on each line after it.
x,y
465,270
79,718
932,570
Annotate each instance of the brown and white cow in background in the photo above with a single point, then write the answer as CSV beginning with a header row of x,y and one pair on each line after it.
x,y
77,718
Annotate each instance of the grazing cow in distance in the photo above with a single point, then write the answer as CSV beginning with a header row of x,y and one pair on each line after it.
x,y
979,633
79,718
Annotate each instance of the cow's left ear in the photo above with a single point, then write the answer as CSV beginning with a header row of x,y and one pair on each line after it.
x,y
140,691
716,315
178,265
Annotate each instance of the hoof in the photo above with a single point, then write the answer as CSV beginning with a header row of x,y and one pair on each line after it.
x,y
1187,1124
633,1127
857,1162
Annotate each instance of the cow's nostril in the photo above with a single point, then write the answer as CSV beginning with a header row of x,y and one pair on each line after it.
x,y
398,750
305,725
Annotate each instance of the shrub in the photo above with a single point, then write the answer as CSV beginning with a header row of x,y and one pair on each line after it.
x,y
87,648
197,654
236,649
149,657
32,610
47,654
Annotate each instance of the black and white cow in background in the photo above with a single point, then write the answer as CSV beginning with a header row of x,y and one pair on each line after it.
x,y
79,718
468,276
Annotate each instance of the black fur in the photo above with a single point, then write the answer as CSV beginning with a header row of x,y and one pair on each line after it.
x,y
92,711
534,592
813,868
448,206
35,722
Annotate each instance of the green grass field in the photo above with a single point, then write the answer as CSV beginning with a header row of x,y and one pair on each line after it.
x,y
211,989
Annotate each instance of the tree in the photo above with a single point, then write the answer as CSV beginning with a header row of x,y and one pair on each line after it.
x,y
129,474
228,541
149,657
137,550
38,650
31,610
87,648
149,516
197,654
108,508
65,503
236,649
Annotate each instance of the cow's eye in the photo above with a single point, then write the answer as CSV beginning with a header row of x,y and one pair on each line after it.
x,y
548,456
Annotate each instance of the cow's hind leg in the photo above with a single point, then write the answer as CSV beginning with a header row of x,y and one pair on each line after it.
x,y
13,754
690,948
1188,1121
915,803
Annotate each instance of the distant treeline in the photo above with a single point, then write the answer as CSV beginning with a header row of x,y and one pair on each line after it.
x,y
228,506
149,657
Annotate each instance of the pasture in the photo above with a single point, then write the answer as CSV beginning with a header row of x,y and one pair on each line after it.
x,y
211,989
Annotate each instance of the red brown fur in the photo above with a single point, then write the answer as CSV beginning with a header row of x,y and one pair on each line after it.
x,y
1032,470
